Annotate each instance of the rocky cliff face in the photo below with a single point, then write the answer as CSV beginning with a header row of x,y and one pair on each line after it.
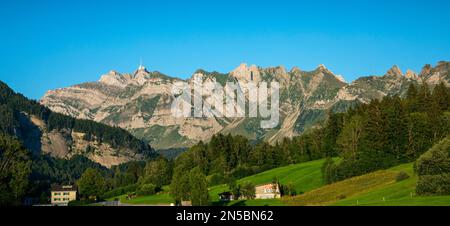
x,y
140,102
65,143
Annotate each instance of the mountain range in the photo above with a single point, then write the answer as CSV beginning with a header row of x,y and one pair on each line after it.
x,y
140,102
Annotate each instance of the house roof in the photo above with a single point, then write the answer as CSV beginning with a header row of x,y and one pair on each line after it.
x,y
64,188
266,185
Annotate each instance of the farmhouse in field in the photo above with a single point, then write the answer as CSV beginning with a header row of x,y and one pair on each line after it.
x,y
267,191
62,195
263,191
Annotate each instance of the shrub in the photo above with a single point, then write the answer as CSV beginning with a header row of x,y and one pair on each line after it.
x,y
248,190
288,189
147,189
120,191
434,185
401,176
328,171
83,202
436,160
433,168
339,197
333,172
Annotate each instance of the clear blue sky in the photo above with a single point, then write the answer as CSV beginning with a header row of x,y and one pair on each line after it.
x,y
52,44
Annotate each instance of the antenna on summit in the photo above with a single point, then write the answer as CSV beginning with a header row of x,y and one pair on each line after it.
x,y
141,67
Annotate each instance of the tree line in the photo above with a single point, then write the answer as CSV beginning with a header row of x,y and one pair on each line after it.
x,y
387,132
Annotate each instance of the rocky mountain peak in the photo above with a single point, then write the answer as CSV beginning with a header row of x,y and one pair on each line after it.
x,y
426,70
281,69
340,78
443,62
113,78
411,75
113,72
141,70
323,69
141,75
436,75
295,69
277,71
394,71
442,66
243,67
246,73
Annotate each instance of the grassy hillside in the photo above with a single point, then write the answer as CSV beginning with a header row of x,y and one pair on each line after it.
x,y
374,189
305,177
343,189
162,198
401,193
377,188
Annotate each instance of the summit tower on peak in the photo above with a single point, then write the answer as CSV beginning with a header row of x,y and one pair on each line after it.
x,y
141,66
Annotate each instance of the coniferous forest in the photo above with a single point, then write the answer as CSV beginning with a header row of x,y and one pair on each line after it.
x,y
389,132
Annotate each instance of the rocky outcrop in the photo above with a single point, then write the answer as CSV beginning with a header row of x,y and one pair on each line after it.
x,y
140,102
394,71
66,143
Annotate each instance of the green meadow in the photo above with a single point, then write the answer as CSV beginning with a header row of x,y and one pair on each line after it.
x,y
400,193
304,176
378,188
